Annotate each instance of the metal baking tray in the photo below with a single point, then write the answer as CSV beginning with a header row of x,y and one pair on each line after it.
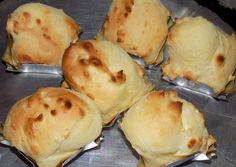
x,y
114,150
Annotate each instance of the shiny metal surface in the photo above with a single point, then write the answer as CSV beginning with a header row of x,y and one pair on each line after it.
x,y
35,68
115,150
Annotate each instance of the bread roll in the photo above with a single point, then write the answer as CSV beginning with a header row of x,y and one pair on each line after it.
x,y
138,26
52,125
38,34
164,128
105,73
201,52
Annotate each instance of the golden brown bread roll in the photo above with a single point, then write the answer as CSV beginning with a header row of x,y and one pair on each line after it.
x,y
105,73
52,125
200,51
164,128
138,26
38,34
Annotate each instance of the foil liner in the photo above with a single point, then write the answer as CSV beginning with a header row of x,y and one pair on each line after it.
x,y
195,87
89,146
35,68
182,82
196,157
116,119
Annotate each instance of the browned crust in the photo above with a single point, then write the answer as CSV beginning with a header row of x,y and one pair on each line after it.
x,y
176,106
220,60
95,59
189,75
192,143
49,47
120,13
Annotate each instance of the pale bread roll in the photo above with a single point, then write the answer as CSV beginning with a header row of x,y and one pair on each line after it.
x,y
138,26
52,125
38,34
164,128
200,51
105,73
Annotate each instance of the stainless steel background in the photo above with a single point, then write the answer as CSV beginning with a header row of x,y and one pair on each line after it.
x,y
114,151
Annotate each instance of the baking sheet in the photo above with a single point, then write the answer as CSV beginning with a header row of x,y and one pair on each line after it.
x,y
114,151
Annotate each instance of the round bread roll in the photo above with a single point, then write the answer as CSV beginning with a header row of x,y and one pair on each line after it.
x,y
105,73
38,34
138,26
164,128
52,124
201,52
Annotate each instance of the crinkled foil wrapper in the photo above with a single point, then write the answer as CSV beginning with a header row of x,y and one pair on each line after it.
x,y
196,157
87,147
35,68
193,86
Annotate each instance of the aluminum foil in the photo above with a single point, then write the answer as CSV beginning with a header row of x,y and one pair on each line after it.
x,y
35,68
196,157
89,146
193,86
